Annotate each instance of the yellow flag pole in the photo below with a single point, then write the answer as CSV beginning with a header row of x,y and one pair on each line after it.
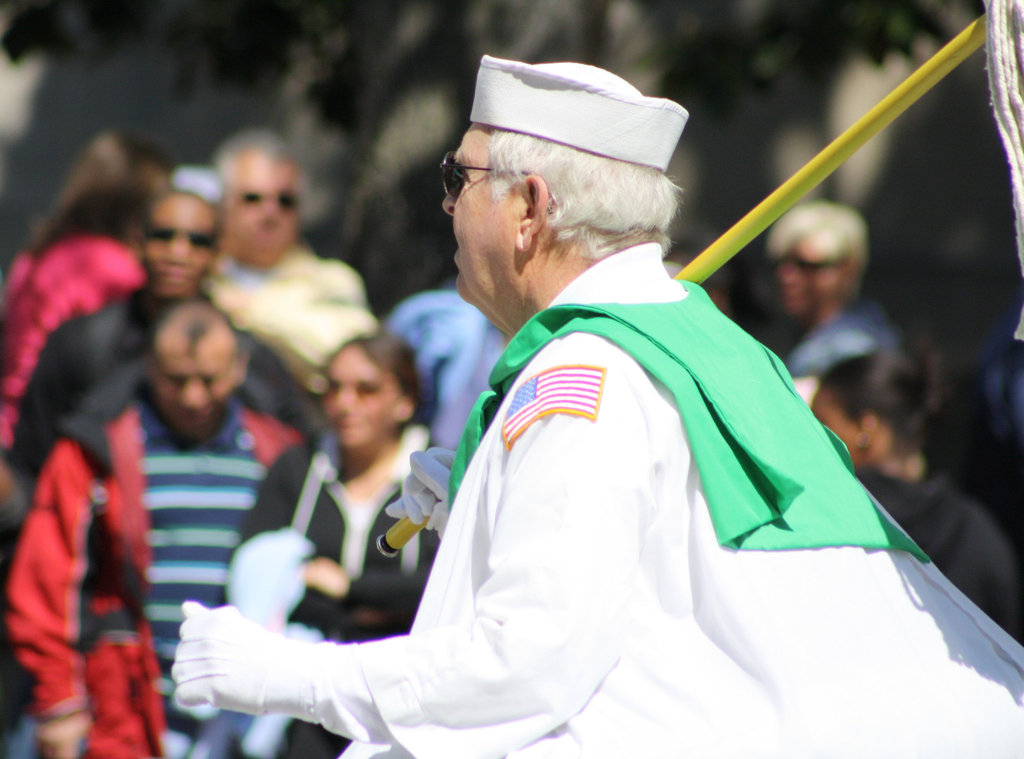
x,y
841,148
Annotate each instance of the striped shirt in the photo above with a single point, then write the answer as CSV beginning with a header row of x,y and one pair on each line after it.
x,y
197,496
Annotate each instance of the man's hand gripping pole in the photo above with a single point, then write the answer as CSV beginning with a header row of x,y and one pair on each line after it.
x,y
400,533
424,501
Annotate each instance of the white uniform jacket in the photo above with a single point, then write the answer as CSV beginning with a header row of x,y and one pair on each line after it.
x,y
581,606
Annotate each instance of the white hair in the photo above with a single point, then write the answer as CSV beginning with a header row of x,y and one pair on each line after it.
x,y
262,141
837,231
601,205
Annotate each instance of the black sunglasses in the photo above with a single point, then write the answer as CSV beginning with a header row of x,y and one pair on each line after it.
x,y
807,267
195,239
453,174
285,200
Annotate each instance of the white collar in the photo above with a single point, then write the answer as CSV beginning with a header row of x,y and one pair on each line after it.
x,y
633,275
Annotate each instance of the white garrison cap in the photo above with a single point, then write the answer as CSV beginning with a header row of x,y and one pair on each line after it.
x,y
578,105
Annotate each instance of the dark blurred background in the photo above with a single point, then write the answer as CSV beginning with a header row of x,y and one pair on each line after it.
x,y
375,91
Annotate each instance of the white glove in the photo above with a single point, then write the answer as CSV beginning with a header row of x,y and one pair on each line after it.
x,y
425,490
230,662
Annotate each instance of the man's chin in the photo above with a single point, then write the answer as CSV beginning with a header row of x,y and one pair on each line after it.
x,y
195,430
795,308
263,255
460,285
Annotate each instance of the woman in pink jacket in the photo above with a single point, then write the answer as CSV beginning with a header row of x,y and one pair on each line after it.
x,y
82,256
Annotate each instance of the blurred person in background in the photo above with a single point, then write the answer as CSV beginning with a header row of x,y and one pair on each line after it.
x,y
736,287
456,348
331,491
81,257
138,507
15,737
880,406
994,459
820,252
269,281
178,252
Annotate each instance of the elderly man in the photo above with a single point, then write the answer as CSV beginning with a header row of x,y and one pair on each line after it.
x,y
820,252
270,282
653,547
137,508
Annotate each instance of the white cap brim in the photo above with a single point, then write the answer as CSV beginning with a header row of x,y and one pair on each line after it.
x,y
578,105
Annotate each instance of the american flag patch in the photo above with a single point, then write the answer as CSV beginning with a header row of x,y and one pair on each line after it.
x,y
560,390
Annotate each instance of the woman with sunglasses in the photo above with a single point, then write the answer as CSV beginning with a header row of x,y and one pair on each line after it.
x,y
178,250
332,491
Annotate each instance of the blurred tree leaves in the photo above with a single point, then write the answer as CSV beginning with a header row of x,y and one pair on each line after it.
x,y
714,51
70,28
716,59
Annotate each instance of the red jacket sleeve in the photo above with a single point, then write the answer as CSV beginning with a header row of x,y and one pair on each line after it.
x,y
45,587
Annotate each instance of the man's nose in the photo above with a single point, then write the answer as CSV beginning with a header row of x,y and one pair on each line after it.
x,y
787,271
180,248
195,393
347,398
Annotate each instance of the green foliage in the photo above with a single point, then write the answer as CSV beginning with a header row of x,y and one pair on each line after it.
x,y
716,59
242,42
67,27
707,50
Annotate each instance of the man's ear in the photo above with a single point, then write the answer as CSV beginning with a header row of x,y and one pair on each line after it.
x,y
534,217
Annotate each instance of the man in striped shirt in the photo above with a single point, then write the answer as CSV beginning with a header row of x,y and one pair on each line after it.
x,y
137,509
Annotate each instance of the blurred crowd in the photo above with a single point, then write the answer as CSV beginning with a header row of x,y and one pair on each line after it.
x,y
194,404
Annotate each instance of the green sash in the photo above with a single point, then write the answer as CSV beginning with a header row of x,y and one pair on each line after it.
x,y
774,477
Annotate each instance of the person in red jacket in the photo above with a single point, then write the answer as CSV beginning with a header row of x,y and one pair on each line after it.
x,y
83,256
139,503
